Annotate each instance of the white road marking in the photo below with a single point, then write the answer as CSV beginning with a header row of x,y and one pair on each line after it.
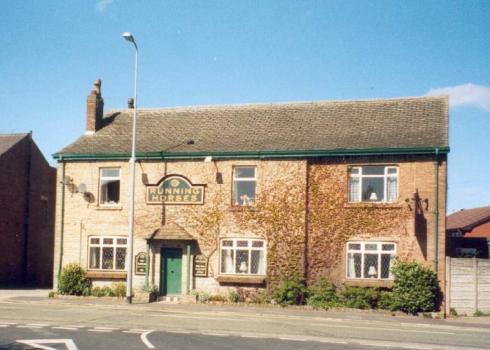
x,y
37,343
4,325
145,340
29,326
380,328
293,339
215,334
67,328
102,329
137,331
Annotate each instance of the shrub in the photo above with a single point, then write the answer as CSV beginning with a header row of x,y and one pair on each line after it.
x,y
291,291
51,294
385,301
102,291
233,297
217,298
74,281
360,297
259,297
415,288
322,295
119,289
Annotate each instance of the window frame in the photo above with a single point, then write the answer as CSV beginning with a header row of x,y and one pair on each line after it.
x,y
108,204
379,251
102,245
249,248
242,179
384,176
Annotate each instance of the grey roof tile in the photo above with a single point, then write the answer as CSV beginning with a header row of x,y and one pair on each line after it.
x,y
325,125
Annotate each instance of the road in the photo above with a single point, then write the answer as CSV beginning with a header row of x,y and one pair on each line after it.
x,y
111,324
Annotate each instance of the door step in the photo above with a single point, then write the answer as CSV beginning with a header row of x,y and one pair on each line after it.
x,y
177,299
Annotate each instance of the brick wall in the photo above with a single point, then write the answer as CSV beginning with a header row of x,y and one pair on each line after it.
x,y
26,228
286,243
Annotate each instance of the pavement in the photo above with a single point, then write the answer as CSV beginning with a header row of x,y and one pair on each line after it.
x,y
21,310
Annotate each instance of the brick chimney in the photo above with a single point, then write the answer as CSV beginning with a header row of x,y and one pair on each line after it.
x,y
95,108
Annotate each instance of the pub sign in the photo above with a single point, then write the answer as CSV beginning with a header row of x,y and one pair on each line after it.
x,y
175,189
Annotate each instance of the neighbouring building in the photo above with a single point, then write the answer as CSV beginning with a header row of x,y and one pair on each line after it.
x,y
27,195
241,196
468,233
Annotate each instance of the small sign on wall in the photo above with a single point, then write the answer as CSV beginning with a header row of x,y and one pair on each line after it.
x,y
200,266
140,262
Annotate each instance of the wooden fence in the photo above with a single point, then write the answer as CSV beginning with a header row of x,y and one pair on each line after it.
x,y
467,285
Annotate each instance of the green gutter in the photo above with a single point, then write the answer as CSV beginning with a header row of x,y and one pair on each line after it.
x,y
436,213
251,154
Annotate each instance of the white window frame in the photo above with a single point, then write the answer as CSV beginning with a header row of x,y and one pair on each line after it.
x,y
243,179
385,177
363,252
109,178
102,245
250,248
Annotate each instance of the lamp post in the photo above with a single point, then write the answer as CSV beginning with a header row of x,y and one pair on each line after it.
x,y
129,257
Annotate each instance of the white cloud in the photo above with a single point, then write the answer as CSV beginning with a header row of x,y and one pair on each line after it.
x,y
465,95
101,5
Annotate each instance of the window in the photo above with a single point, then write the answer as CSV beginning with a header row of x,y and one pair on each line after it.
x,y
373,184
107,253
109,186
372,260
243,256
244,181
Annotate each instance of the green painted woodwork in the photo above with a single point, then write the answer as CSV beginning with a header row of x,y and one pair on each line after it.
x,y
250,154
171,271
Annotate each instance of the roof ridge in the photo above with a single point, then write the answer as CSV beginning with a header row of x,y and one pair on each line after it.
x,y
15,134
282,104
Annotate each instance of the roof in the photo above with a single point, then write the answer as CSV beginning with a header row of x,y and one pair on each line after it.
x,y
171,231
9,140
283,129
466,219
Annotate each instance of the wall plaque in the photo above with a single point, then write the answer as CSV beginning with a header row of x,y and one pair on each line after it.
x,y
140,264
175,189
200,266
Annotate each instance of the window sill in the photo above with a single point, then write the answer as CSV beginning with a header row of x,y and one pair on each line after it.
x,y
107,274
239,208
362,205
109,207
369,283
248,279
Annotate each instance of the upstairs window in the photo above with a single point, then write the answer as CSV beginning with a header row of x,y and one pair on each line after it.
x,y
370,260
107,253
243,256
244,182
373,183
110,180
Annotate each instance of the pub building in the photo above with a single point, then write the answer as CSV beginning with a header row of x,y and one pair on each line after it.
x,y
241,196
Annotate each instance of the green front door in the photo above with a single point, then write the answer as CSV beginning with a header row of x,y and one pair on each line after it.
x,y
171,271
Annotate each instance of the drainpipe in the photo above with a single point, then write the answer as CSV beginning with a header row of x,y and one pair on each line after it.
x,y
147,270
62,220
436,213
26,224
188,268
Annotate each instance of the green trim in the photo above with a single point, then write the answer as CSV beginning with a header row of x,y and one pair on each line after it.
x,y
250,154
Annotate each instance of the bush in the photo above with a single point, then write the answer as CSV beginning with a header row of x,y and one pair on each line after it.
x,y
322,295
385,301
217,298
291,291
233,297
102,292
118,289
51,294
360,297
74,281
259,297
415,288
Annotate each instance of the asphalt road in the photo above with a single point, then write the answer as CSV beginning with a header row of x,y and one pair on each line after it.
x,y
111,324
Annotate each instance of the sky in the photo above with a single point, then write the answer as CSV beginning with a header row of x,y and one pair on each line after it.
x,y
232,52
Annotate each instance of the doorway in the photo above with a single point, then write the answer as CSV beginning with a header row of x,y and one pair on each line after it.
x,y
171,271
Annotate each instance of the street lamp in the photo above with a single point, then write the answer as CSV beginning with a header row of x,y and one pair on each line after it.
x,y
129,258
